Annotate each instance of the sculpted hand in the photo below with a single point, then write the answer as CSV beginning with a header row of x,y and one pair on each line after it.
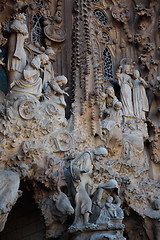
x,y
66,94
84,170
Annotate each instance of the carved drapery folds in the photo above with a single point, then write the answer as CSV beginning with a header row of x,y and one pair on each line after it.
x,y
130,129
34,129
104,157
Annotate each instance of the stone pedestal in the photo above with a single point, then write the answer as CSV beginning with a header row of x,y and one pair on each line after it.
x,y
109,231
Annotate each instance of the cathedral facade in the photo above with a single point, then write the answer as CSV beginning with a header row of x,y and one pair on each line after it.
x,y
79,119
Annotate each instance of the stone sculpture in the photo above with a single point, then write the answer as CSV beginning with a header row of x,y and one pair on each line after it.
x,y
111,119
58,96
9,189
83,207
113,202
54,98
108,211
110,216
17,58
48,71
34,131
81,171
140,101
32,82
125,82
55,210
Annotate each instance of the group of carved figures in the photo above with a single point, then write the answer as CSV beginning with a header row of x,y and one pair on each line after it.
x,y
87,196
32,77
133,106
134,103
35,77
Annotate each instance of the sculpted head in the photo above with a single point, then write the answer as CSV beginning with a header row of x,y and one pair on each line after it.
x,y
136,74
110,91
111,186
118,106
61,80
127,69
100,153
44,59
109,199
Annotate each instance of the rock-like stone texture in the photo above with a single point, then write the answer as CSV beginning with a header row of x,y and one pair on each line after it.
x,y
79,122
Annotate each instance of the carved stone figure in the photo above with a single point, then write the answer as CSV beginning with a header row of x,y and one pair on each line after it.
x,y
112,119
140,101
83,206
63,204
17,57
111,110
81,171
112,209
32,82
108,211
56,85
48,71
55,210
54,94
125,82
109,98
99,154
34,131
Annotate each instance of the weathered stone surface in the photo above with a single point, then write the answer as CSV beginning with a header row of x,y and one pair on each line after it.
x,y
82,132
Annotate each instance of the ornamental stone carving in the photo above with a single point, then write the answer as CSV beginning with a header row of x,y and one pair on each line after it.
x,y
140,101
80,119
125,82
17,58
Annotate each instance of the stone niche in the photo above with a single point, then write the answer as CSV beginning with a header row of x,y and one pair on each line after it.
x,y
80,119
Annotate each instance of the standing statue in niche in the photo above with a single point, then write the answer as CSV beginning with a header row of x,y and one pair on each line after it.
x,y
140,101
32,82
17,57
125,82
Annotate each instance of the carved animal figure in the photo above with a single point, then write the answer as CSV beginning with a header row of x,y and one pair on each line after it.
x,y
56,209
63,205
